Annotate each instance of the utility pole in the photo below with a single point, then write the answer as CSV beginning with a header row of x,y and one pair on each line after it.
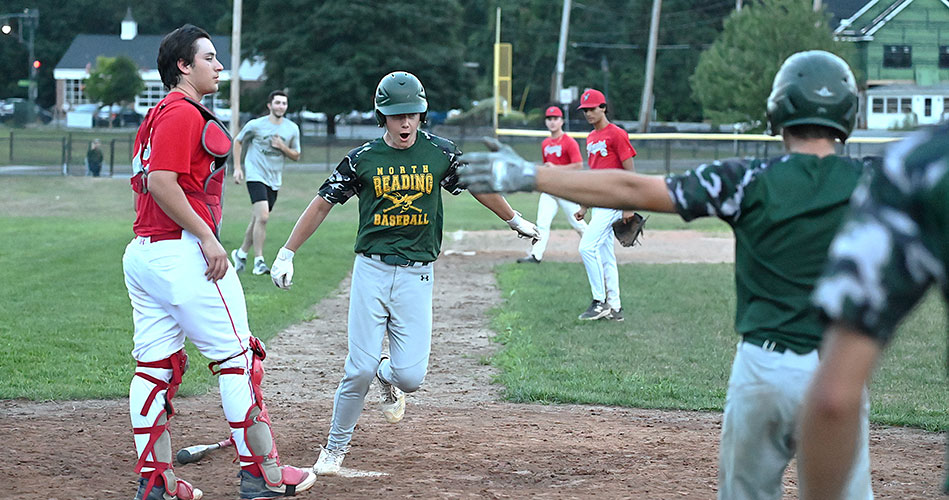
x,y
737,5
235,98
645,109
561,52
29,21
497,90
817,5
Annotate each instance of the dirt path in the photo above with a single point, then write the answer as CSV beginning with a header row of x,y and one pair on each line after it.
x,y
457,440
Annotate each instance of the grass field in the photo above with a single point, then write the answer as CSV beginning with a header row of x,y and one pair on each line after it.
x,y
676,346
65,321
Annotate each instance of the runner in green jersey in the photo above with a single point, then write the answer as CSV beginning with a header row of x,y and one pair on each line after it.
x,y
398,179
784,212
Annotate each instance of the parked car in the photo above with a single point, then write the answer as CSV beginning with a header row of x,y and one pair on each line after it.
x,y
120,116
11,106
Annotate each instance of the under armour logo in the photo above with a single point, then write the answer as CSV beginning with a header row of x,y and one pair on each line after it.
x,y
424,277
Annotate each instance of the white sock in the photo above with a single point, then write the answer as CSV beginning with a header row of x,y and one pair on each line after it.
x,y
259,258
241,254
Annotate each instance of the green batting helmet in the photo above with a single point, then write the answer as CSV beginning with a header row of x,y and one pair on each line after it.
x,y
399,93
813,88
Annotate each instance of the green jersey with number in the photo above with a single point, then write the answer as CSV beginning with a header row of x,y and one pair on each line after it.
x,y
400,201
784,213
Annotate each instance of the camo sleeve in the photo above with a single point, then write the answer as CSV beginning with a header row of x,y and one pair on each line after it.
x,y
343,183
450,181
713,189
885,255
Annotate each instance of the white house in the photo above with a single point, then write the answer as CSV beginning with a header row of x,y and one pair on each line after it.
x,y
80,59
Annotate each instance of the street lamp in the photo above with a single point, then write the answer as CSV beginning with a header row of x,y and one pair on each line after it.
x,y
28,21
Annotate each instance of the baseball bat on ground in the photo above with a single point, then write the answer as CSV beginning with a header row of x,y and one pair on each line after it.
x,y
195,453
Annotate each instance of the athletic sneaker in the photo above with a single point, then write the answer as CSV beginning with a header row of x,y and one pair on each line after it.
x,y
260,267
330,461
530,259
184,491
393,401
294,481
616,314
239,263
596,310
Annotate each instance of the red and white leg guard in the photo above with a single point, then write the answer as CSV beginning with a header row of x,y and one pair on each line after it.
x,y
241,396
150,392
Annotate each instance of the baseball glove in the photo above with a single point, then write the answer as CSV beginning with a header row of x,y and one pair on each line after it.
x,y
629,232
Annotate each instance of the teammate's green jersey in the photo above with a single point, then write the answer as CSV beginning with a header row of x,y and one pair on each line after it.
x,y
895,242
400,203
784,212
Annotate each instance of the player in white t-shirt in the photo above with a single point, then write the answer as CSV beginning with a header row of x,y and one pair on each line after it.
x,y
272,139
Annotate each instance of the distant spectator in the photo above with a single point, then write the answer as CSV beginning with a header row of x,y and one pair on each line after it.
x,y
94,158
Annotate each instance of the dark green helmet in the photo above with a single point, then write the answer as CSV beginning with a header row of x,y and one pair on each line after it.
x,y
399,93
813,88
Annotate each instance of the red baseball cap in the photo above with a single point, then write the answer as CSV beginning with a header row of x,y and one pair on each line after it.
x,y
591,98
553,111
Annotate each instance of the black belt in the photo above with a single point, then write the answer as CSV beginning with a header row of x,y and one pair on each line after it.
x,y
394,260
766,344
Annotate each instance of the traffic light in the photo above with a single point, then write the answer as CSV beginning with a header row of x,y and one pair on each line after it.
x,y
37,64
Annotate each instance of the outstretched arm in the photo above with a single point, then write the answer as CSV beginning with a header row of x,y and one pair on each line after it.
x,y
831,412
503,170
495,203
309,221
612,188
281,272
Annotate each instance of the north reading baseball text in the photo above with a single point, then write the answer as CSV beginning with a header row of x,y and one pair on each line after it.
x,y
402,178
400,220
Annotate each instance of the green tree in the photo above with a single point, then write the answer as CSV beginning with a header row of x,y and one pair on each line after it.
x,y
114,80
733,77
606,49
332,55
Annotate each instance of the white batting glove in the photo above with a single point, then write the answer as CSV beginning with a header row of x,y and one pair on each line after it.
x,y
524,227
281,272
501,171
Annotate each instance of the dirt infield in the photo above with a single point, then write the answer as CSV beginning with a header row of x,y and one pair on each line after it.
x,y
457,440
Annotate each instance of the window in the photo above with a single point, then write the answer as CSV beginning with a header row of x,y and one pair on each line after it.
x,y
877,104
944,57
74,94
892,105
906,105
928,107
153,93
945,104
897,56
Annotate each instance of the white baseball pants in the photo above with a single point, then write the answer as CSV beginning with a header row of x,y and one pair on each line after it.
x,y
547,207
765,393
172,300
384,299
599,258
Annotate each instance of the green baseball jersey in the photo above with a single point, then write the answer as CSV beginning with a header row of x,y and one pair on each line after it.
x,y
894,243
784,213
400,203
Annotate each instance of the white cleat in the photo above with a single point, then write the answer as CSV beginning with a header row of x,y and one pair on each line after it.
x,y
393,402
329,462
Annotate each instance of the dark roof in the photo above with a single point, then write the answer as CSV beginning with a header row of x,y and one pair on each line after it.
x,y
143,49
843,9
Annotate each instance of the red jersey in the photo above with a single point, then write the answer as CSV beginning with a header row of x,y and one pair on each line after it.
x,y
608,148
175,144
561,151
